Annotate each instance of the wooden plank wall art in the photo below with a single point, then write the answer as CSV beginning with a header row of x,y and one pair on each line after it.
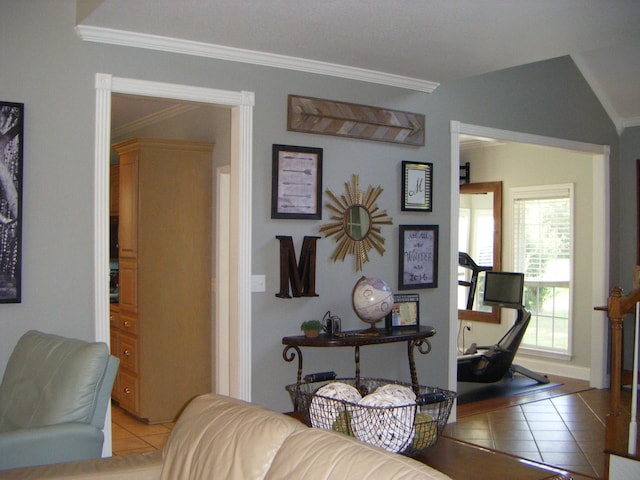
x,y
326,117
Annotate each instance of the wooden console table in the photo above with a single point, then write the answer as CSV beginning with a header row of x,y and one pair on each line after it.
x,y
415,338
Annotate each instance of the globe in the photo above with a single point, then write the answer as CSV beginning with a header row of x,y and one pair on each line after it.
x,y
372,299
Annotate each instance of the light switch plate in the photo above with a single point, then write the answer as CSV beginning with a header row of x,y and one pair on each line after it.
x,y
258,283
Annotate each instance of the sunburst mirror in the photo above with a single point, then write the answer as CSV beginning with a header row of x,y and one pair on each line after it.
x,y
356,222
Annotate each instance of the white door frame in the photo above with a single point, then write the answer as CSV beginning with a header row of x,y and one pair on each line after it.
x,y
241,105
601,223
221,334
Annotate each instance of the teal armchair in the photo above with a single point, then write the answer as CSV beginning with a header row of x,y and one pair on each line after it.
x,y
53,400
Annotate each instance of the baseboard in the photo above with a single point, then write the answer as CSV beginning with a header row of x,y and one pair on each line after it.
x,y
553,368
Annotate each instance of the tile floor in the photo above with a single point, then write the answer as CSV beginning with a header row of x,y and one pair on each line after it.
x,y
131,436
567,431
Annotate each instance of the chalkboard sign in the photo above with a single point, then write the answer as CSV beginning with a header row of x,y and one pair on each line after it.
x,y
418,262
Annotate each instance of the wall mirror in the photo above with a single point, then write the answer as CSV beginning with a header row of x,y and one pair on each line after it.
x,y
356,222
480,237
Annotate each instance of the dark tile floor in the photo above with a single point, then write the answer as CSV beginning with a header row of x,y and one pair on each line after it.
x,y
566,432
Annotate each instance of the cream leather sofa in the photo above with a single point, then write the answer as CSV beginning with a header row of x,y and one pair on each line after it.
x,y
218,437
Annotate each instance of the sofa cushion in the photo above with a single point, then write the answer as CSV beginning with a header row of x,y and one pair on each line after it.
x,y
317,454
141,466
51,380
225,437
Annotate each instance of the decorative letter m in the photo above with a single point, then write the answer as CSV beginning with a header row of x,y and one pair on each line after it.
x,y
301,276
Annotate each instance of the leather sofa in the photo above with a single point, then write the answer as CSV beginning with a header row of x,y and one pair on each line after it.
x,y
226,438
53,400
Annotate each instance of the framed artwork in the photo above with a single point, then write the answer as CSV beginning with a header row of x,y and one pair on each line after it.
x,y
296,183
638,210
11,152
405,311
418,261
417,186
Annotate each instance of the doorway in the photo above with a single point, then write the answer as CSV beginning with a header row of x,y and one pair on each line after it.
x,y
598,155
238,358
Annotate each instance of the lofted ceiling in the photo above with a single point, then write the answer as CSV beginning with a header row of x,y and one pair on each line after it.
x,y
416,44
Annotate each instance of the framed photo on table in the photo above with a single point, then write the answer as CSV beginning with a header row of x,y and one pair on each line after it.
x,y
296,183
417,186
418,261
405,311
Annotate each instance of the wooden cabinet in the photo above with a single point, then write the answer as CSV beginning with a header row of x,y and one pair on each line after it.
x,y
163,325
115,344
114,180
128,203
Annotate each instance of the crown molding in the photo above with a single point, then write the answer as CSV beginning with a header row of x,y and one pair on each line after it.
x,y
631,122
600,92
152,119
187,47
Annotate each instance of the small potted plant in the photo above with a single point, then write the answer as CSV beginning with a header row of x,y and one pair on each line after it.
x,y
311,328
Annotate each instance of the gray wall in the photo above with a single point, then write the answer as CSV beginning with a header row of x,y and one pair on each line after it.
x,y
625,194
45,65
627,224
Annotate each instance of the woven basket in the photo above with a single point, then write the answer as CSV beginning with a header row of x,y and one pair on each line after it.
x,y
406,428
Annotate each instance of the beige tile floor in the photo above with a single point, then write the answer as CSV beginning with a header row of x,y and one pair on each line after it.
x,y
132,436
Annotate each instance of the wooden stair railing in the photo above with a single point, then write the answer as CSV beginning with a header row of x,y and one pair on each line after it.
x,y
618,306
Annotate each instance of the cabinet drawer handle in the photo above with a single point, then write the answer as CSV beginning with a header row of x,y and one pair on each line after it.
x,y
126,323
127,353
127,391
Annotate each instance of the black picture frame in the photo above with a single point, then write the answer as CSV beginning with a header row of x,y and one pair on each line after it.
x,y
296,182
11,165
405,312
417,186
638,210
418,257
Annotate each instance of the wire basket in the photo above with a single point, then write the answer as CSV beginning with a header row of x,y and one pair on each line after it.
x,y
397,424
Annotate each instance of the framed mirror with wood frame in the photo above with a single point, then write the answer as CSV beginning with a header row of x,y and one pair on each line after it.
x,y
471,190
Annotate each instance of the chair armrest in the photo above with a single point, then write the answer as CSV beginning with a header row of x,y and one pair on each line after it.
x,y
141,466
51,444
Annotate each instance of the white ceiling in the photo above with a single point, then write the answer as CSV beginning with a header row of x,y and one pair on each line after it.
x,y
411,43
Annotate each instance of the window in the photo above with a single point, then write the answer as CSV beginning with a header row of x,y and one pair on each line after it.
x,y
543,240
